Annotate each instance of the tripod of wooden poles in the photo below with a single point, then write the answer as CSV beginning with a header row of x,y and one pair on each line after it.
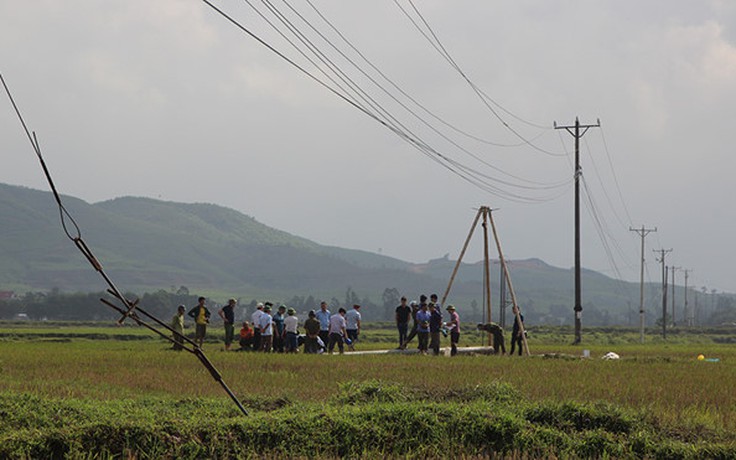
x,y
485,213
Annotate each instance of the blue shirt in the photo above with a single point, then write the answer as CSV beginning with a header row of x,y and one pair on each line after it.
x,y
324,319
423,318
278,320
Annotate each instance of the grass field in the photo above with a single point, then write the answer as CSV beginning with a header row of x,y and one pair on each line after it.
x,y
74,390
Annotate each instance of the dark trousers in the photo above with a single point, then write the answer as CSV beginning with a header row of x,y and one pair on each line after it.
x,y
229,333
516,339
325,336
423,338
257,339
403,328
266,343
246,344
498,343
292,342
336,338
278,343
454,340
311,345
434,342
178,342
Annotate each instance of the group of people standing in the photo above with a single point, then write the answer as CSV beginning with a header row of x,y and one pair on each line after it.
x,y
427,324
277,332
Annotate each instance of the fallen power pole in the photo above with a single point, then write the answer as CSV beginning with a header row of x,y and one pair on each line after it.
x,y
575,131
128,308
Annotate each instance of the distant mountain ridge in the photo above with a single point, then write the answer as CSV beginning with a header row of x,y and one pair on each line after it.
x,y
148,244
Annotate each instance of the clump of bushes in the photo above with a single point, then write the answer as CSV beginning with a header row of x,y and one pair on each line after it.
x,y
366,419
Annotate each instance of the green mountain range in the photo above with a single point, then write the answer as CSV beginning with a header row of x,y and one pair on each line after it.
x,y
146,245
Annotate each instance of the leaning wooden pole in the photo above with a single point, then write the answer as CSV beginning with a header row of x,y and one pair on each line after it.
x,y
460,257
508,283
486,269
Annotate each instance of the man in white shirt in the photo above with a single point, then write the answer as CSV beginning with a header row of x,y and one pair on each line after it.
x,y
255,320
291,323
265,323
337,331
352,325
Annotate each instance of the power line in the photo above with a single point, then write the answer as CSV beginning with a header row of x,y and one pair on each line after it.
x,y
467,173
437,44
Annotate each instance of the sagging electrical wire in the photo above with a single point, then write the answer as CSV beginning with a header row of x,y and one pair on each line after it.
x,y
439,47
391,82
467,173
365,97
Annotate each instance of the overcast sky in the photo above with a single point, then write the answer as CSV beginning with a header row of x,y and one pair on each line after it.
x,y
167,99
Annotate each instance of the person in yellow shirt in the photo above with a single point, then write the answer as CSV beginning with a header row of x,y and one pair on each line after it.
x,y
177,324
201,317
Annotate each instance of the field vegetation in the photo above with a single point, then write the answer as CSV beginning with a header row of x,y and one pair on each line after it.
x,y
79,390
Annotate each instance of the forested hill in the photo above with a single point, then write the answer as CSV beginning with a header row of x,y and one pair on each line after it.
x,y
147,244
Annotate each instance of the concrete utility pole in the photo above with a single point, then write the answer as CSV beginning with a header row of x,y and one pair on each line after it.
x,y
673,268
643,232
574,130
685,310
662,253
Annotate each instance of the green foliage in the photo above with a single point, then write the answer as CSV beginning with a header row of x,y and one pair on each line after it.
x,y
372,425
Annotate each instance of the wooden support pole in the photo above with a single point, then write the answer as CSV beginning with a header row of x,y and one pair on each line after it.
x,y
505,269
460,257
486,269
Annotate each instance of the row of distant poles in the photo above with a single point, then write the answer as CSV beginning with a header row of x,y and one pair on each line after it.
x,y
578,131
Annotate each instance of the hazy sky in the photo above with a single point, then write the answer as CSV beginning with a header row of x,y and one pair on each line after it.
x,y
167,99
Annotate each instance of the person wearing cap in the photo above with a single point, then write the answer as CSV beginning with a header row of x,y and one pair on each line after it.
x,y
423,317
177,324
201,316
352,325
337,331
227,313
403,312
279,333
311,328
435,326
415,307
454,326
323,316
255,321
291,323
266,326
497,332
